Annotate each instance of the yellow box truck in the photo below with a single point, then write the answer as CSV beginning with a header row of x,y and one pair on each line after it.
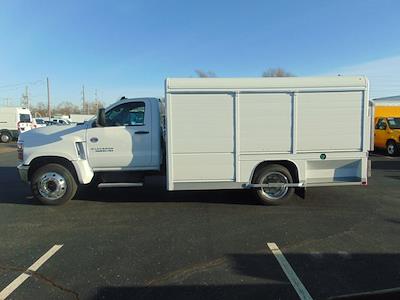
x,y
387,124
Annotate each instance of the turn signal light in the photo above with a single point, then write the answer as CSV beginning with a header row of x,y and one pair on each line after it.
x,y
20,151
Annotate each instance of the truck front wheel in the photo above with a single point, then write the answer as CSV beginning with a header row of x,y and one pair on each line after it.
x,y
275,174
53,184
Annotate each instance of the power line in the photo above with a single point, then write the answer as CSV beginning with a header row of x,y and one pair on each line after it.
x,y
22,84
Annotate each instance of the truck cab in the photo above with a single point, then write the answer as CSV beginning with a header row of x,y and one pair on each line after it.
x,y
55,159
130,139
387,134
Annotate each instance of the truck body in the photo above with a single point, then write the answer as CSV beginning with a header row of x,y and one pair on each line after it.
x,y
387,124
268,134
14,120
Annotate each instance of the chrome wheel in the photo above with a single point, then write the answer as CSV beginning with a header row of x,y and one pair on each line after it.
x,y
52,186
274,193
5,138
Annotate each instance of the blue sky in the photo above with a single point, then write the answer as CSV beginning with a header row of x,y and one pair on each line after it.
x,y
129,47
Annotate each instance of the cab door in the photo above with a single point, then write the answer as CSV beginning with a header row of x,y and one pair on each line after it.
x,y
125,142
380,136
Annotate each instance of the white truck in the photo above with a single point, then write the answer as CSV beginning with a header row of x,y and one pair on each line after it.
x,y
14,120
272,135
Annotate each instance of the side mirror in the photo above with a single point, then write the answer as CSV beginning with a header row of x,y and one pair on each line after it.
x,y
101,117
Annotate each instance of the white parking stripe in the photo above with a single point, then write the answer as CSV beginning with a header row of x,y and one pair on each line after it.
x,y
291,275
24,276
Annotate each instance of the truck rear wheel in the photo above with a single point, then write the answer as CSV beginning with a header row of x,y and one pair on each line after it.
x,y
5,137
53,184
274,174
391,148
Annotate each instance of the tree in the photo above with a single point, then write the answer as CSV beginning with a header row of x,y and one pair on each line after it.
x,y
205,74
40,109
93,107
276,72
66,108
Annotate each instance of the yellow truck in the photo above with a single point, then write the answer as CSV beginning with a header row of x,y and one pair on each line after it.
x,y
387,124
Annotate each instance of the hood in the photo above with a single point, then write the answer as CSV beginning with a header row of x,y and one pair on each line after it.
x,y
53,134
52,129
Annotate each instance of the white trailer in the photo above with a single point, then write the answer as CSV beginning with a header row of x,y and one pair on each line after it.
x,y
268,134
14,120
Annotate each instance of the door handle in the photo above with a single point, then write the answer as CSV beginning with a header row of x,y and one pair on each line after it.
x,y
141,132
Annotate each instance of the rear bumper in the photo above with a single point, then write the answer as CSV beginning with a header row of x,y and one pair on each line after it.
x,y
23,172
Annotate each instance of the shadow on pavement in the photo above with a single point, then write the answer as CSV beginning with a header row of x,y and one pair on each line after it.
x,y
386,165
12,190
156,194
325,276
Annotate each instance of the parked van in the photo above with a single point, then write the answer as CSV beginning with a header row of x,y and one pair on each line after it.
x,y
79,118
271,135
387,124
14,120
60,121
38,122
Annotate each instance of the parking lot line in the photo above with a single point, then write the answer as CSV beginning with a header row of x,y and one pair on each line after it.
x,y
24,276
291,275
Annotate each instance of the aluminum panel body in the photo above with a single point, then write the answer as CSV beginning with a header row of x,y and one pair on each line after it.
x,y
203,123
261,134
330,121
220,129
203,137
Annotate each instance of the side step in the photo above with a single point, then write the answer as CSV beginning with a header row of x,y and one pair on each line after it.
x,y
119,184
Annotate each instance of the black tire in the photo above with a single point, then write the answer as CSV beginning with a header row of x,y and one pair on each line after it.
x,y
392,149
5,137
47,171
263,195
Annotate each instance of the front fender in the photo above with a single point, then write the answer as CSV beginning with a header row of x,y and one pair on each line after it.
x,y
83,171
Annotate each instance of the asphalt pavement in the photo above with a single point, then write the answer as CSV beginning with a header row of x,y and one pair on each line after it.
x,y
136,243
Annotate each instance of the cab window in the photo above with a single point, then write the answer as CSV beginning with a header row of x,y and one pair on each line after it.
x,y
127,114
24,118
381,124
394,123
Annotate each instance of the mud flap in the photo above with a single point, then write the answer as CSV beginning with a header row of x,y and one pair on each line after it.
x,y
301,192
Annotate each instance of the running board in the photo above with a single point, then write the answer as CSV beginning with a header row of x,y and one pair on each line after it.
x,y
271,185
119,184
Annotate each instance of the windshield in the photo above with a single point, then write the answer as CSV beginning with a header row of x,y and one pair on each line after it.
x,y
39,121
394,123
24,118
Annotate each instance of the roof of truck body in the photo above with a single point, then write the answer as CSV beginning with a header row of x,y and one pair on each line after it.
x,y
266,82
387,101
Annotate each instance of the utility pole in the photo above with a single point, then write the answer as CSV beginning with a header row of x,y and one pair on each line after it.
x,y
83,99
48,99
97,100
27,96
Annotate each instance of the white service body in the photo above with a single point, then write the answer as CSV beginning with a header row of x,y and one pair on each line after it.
x,y
219,130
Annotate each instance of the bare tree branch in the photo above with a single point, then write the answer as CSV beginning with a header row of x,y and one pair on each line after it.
x,y
204,74
276,72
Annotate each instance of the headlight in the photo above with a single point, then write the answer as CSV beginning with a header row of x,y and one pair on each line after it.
x,y
20,150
